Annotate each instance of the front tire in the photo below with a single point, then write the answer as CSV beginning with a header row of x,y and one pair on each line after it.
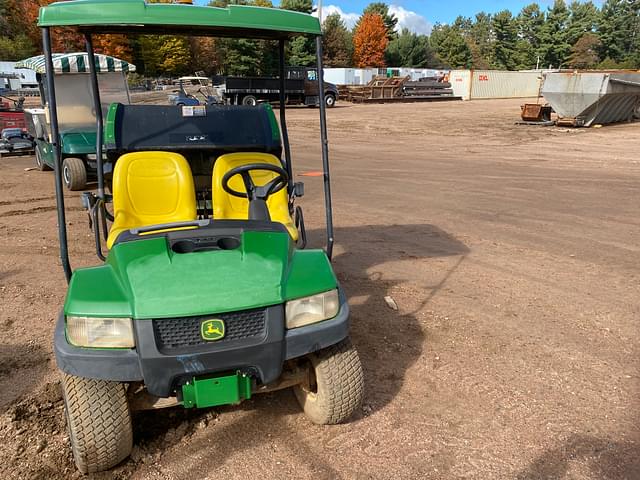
x,y
99,422
335,387
74,173
42,166
330,100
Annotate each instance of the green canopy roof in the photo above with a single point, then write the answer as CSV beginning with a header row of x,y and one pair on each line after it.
x,y
76,63
129,16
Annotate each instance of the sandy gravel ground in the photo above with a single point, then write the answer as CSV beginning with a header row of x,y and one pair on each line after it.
x,y
512,252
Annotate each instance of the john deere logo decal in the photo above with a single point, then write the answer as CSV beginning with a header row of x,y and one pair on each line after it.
x,y
212,330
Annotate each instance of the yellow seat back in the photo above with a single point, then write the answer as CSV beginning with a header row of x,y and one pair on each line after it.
x,y
151,188
228,207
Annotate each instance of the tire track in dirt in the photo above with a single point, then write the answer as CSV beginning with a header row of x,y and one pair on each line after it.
x,y
35,210
4,203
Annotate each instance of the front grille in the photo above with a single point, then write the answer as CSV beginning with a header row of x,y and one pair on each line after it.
x,y
184,332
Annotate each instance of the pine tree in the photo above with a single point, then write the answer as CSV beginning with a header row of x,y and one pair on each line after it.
x,y
304,6
554,48
337,42
409,50
301,52
583,18
530,22
390,20
506,37
481,41
619,30
450,47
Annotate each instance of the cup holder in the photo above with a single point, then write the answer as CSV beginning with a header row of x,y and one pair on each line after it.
x,y
190,245
183,246
228,243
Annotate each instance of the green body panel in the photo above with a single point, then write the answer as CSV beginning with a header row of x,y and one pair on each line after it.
x,y
137,16
275,128
110,125
74,144
144,279
211,392
78,143
46,152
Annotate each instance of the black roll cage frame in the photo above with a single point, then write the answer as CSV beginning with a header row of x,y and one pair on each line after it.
x,y
102,197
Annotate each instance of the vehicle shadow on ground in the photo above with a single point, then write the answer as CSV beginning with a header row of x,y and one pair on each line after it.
x,y
374,261
606,460
389,343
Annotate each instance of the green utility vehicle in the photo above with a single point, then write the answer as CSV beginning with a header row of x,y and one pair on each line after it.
x,y
207,294
76,115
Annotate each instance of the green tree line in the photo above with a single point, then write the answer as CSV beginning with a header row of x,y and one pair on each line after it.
x,y
576,34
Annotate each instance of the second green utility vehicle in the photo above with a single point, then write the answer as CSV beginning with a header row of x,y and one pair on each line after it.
x,y
76,115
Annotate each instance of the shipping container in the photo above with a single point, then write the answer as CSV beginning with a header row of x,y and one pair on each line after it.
x,y
461,83
503,84
484,84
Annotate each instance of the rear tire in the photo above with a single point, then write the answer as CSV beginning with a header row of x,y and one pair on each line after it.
x,y
74,173
250,101
43,167
99,422
335,387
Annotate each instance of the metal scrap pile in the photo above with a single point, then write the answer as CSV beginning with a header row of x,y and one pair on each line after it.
x,y
397,89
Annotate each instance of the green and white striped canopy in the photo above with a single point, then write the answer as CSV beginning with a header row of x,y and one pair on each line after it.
x,y
76,63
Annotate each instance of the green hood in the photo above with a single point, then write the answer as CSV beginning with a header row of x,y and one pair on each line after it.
x,y
78,142
145,279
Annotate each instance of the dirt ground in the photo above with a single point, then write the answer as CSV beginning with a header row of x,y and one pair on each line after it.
x,y
513,253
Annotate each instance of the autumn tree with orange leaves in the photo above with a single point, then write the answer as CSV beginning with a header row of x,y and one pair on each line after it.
x,y
370,41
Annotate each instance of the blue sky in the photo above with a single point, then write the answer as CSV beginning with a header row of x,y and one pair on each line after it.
x,y
420,15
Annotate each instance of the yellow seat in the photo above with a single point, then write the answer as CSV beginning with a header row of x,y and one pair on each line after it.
x,y
151,188
228,207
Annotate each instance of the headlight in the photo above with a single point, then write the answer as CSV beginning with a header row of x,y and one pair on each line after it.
x,y
316,308
100,332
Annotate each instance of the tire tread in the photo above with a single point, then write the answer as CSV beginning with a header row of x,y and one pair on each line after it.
x,y
99,422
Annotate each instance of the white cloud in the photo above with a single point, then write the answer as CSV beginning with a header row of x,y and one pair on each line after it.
x,y
411,20
406,18
349,18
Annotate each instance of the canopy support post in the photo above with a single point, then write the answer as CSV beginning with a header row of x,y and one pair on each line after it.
x,y
97,105
57,153
325,148
283,116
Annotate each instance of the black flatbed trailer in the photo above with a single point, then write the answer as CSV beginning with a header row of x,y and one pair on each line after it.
x,y
301,89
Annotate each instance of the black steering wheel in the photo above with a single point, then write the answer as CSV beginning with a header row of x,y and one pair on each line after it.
x,y
253,191
257,194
